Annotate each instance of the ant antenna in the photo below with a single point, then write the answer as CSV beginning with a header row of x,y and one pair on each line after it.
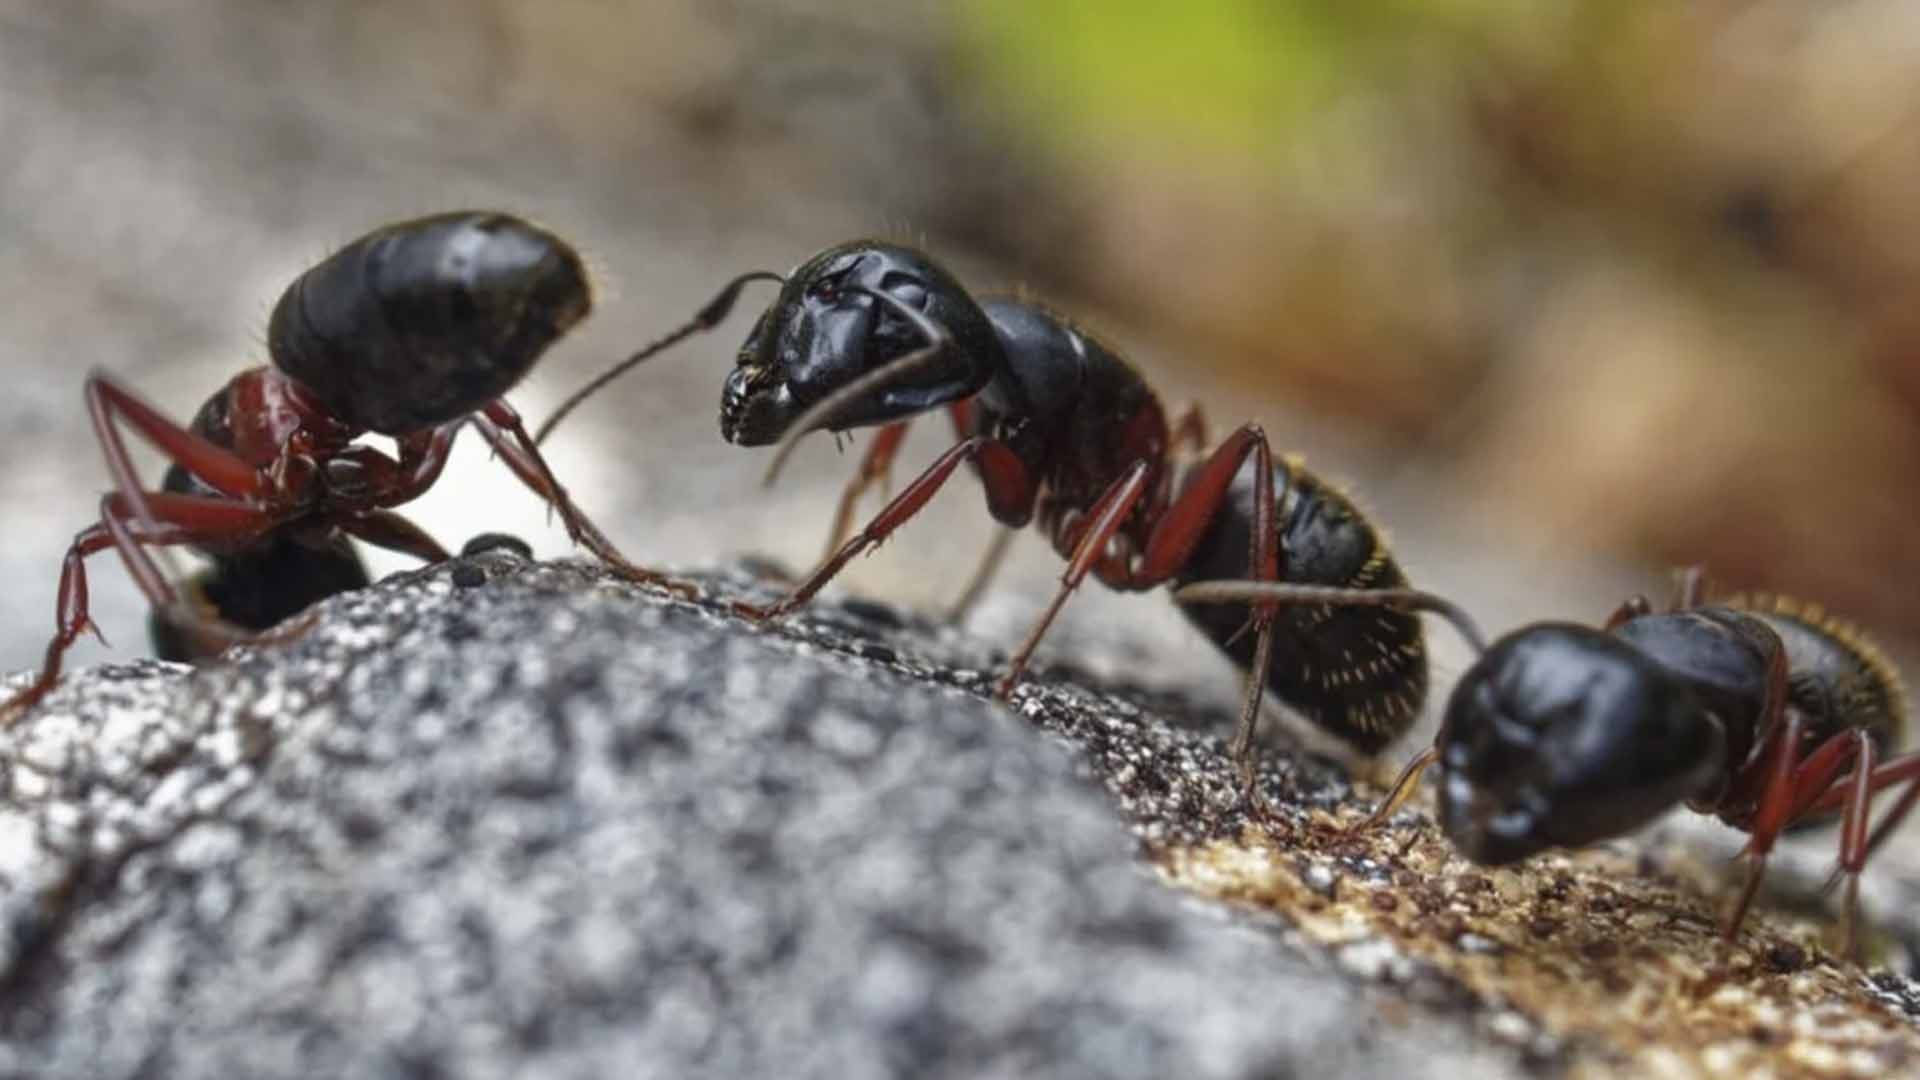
x,y
715,311
823,411
1220,592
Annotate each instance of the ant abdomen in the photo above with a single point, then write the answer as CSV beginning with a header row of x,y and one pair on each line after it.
x,y
1840,679
1357,672
425,321
259,587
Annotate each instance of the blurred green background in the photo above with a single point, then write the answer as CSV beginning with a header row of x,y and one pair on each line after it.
x,y
1640,276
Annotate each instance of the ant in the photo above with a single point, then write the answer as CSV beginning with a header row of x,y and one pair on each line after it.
x,y
1763,711
412,331
256,588
1065,434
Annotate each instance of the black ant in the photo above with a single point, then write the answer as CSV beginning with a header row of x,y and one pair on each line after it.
x,y
412,331
1760,710
1065,433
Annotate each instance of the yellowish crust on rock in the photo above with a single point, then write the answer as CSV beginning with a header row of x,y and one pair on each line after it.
x,y
1581,950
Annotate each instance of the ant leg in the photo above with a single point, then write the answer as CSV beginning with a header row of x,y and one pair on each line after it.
x,y
1175,536
1011,492
204,519
197,519
982,574
1189,430
72,618
423,457
1769,822
502,429
1905,767
875,465
1817,779
961,412
1769,779
1854,840
220,468
386,529
1902,769
1103,520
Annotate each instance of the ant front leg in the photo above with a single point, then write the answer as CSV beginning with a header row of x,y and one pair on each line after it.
x,y
1816,785
1768,781
1011,493
1902,769
502,429
983,574
961,413
1171,546
185,519
876,465
1096,530
219,468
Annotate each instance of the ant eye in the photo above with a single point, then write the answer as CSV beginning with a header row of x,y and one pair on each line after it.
x,y
827,288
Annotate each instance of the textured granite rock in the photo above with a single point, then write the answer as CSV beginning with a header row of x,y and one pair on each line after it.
x,y
513,819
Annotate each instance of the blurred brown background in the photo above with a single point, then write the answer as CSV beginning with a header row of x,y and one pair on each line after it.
x,y
1568,295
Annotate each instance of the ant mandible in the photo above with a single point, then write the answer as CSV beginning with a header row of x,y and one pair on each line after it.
x,y
1760,710
1064,433
412,331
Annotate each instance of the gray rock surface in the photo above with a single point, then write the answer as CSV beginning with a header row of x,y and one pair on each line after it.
x,y
510,819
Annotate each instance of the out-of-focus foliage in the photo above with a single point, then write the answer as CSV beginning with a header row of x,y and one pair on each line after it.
x,y
1235,78
1638,274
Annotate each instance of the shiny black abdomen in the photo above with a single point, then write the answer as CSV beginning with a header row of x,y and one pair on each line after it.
x,y
262,586
1357,672
425,321
1837,678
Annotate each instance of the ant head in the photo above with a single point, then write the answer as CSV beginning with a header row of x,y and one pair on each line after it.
x,y
1562,735
423,322
828,327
